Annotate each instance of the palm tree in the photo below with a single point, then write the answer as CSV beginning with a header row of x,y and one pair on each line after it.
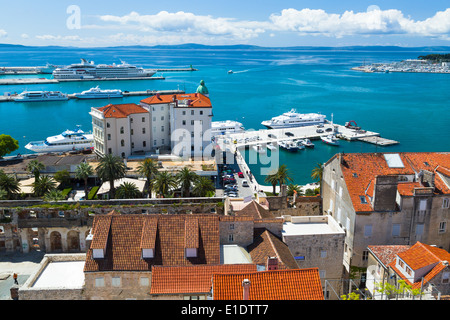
x,y
186,177
292,188
9,184
164,182
35,167
317,174
128,190
283,175
273,180
202,186
54,195
43,185
3,194
109,169
83,171
148,168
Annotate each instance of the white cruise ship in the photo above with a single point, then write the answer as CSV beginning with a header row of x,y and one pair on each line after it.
x,y
67,141
89,70
224,127
41,96
294,119
97,93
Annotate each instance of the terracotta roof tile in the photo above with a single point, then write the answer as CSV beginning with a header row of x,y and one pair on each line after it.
x,y
123,249
198,100
387,254
191,279
298,284
255,210
360,170
121,110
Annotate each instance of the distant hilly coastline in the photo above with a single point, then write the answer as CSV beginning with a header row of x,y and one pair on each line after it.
x,y
194,46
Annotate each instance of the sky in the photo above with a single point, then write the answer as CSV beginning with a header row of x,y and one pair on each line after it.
x,y
270,23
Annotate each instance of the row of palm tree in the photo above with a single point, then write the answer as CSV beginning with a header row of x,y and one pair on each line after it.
x,y
281,176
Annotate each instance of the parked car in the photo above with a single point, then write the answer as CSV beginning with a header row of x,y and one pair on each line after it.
x,y
289,134
240,175
329,129
319,131
320,125
245,183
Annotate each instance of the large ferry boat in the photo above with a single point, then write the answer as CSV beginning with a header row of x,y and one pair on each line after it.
x,y
89,70
69,140
293,119
97,93
41,96
224,127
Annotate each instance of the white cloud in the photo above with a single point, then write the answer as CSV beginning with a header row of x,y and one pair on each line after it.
x,y
24,36
58,37
3,33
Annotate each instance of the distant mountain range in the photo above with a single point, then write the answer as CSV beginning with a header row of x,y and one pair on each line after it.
x,y
245,47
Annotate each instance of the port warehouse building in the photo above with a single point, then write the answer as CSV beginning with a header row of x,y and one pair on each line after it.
x,y
179,123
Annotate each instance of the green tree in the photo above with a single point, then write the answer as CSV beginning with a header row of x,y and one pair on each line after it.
x,y
43,185
109,169
203,186
273,180
83,171
317,172
294,187
54,195
3,194
165,182
9,184
35,167
7,144
63,177
186,178
128,190
149,169
283,175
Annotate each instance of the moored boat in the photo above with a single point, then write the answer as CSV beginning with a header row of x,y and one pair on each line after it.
x,y
330,139
97,93
41,96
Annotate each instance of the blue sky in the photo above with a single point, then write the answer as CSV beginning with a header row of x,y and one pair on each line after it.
x,y
91,23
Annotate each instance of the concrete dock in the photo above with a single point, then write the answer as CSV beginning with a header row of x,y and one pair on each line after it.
x,y
265,136
125,94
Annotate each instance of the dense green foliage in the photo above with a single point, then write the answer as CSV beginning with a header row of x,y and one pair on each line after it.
x,y
7,144
436,57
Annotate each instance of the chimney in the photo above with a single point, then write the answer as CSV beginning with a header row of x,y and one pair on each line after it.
x,y
272,263
157,95
246,285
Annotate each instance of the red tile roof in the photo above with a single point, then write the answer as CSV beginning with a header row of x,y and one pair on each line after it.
x,y
121,110
421,255
198,100
387,254
360,170
295,284
191,279
128,234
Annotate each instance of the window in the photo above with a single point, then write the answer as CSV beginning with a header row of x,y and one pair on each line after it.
x,y
323,253
396,230
365,255
201,113
143,119
122,130
184,113
154,142
231,226
368,230
445,277
144,144
131,120
132,145
115,281
192,112
162,141
445,203
422,206
99,282
184,122
122,143
363,199
109,150
230,237
322,274
132,131
107,125
408,271
109,136
401,263
143,130
442,226
154,119
162,128
144,281
192,122
419,229
162,118
162,108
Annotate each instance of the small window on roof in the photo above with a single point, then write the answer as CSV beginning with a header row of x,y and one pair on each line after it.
x,y
363,199
355,175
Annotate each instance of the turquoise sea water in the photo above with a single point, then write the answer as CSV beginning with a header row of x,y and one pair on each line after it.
x,y
411,108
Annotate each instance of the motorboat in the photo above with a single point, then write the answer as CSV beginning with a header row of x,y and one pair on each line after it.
x,y
307,143
97,93
258,148
41,96
69,140
292,119
230,71
330,139
288,146
89,70
271,146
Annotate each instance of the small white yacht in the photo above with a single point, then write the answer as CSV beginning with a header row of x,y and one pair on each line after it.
x,y
97,93
330,139
293,119
307,143
69,140
224,127
271,146
258,148
288,146
41,96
